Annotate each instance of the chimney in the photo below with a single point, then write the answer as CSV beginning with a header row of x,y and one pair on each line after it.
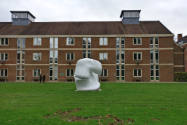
x,y
130,16
179,37
22,17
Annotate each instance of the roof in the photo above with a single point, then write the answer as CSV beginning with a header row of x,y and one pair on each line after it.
x,y
24,12
129,11
83,28
184,39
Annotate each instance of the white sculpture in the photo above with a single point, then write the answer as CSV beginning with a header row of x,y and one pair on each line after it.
x,y
86,74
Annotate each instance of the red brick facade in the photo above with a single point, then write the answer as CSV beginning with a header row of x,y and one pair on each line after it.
x,y
166,58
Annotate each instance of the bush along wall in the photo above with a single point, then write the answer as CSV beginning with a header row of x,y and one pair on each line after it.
x,y
180,77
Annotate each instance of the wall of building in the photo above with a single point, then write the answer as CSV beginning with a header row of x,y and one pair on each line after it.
x,y
166,58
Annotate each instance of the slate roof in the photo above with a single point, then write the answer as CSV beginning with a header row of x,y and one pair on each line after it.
x,y
84,28
184,39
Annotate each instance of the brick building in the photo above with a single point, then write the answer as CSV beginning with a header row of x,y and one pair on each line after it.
x,y
129,50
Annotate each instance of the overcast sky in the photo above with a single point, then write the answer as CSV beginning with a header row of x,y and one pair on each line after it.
x,y
172,13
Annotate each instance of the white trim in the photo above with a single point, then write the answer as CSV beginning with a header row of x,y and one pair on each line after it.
x,y
179,66
102,35
178,52
169,64
95,49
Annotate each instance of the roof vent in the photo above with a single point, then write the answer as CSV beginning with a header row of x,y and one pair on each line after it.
x,y
22,17
130,16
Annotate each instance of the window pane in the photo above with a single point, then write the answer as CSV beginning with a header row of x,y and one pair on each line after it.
x,y
135,56
6,41
51,43
134,39
117,42
135,72
56,43
139,72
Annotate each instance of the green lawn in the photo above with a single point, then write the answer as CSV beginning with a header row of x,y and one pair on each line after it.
x,y
117,103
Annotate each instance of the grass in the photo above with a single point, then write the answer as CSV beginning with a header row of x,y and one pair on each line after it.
x,y
134,104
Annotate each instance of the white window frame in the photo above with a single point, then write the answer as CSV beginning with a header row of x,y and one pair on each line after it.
x,y
137,72
39,54
103,41
137,55
37,41
103,56
68,42
4,55
1,39
70,55
37,72
137,40
70,71
3,73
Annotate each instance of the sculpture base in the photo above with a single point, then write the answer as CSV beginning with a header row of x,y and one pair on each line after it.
x,y
89,90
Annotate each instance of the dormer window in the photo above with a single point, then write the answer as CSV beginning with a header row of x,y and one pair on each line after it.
x,y
130,16
22,17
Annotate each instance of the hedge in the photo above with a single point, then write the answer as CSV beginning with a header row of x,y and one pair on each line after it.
x,y
180,76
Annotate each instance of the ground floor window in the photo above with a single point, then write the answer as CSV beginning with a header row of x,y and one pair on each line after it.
x,y
137,73
3,72
104,73
69,72
20,72
36,72
120,72
155,72
53,72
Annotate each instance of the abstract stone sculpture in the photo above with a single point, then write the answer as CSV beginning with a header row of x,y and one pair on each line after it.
x,y
86,74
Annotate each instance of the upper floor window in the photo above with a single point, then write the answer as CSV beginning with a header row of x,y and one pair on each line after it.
x,y
37,41
3,56
86,42
154,56
137,41
37,56
103,41
69,56
154,42
120,42
137,73
36,72
3,72
21,43
103,56
70,41
104,72
53,43
137,55
3,41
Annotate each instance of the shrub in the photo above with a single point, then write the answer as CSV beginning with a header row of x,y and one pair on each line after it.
x,y
180,77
